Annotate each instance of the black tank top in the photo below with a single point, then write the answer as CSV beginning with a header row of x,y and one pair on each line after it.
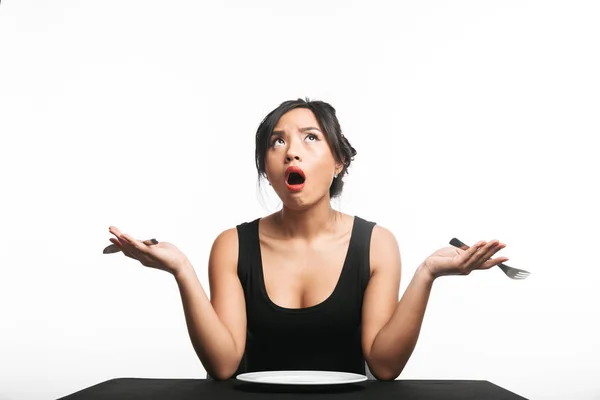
x,y
326,336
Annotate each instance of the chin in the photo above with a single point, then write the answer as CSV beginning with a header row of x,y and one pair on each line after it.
x,y
296,203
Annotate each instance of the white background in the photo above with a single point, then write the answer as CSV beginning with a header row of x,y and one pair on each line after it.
x,y
471,119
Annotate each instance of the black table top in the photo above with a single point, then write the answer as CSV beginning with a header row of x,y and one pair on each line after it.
x,y
183,389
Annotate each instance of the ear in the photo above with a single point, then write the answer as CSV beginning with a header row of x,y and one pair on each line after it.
x,y
339,167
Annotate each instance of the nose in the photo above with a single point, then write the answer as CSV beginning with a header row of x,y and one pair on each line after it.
x,y
292,157
293,152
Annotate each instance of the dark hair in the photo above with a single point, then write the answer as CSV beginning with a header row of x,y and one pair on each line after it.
x,y
342,151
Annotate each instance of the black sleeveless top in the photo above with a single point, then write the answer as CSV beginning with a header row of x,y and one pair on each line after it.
x,y
326,336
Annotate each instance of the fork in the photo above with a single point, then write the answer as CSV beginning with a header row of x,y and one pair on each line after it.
x,y
513,273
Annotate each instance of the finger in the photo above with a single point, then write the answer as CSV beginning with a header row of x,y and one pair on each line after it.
x,y
136,245
126,248
139,244
494,247
493,262
116,243
125,244
150,242
486,256
144,247
114,231
488,250
130,246
472,253
480,254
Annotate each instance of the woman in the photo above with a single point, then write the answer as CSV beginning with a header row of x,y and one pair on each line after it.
x,y
306,287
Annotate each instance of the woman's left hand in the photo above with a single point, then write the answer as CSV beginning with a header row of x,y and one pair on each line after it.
x,y
454,261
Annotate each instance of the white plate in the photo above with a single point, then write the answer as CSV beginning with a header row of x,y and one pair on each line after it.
x,y
301,377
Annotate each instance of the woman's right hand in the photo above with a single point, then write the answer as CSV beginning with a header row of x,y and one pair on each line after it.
x,y
163,255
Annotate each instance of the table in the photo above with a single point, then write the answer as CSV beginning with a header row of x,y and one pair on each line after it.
x,y
197,389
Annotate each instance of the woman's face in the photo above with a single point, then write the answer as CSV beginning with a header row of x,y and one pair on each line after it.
x,y
299,162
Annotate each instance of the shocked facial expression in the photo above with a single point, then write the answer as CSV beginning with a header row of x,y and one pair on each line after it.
x,y
299,163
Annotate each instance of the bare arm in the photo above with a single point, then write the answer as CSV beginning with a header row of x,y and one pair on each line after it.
x,y
391,328
217,327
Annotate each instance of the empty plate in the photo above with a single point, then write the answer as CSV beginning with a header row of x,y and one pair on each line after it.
x,y
301,377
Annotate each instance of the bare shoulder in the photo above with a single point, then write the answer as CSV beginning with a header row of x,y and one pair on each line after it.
x,y
224,252
228,236
385,251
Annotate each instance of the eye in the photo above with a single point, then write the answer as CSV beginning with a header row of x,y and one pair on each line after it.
x,y
277,141
311,137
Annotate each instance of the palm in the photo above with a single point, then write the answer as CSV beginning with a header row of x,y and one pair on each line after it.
x,y
455,261
446,255
446,259
164,255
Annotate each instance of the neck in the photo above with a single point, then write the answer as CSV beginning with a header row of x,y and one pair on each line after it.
x,y
308,223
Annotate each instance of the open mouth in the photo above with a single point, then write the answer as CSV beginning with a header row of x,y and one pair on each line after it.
x,y
295,178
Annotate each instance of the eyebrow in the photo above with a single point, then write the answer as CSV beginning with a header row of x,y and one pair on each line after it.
x,y
308,128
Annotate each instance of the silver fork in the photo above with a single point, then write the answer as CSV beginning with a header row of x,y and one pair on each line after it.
x,y
513,273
